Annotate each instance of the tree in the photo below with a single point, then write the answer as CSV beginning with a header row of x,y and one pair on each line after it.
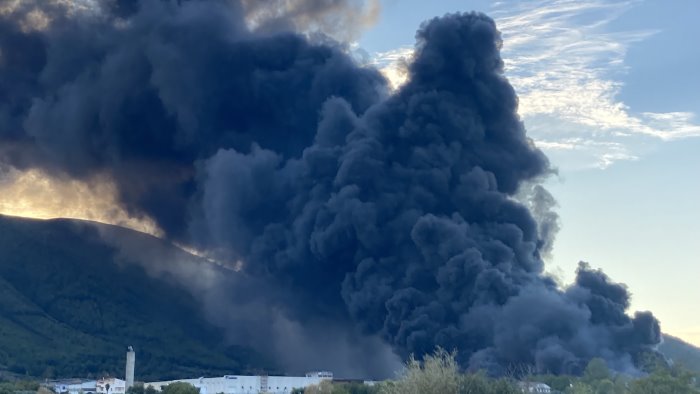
x,y
19,385
480,384
662,382
598,378
354,388
596,370
580,388
179,388
136,389
325,387
605,386
437,374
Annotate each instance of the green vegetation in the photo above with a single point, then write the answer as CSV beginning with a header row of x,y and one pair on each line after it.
x,y
179,388
665,381
598,379
18,386
138,388
439,374
69,306
355,388
328,387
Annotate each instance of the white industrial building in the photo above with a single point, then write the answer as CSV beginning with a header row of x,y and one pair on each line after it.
x,y
241,384
110,386
73,386
228,384
78,386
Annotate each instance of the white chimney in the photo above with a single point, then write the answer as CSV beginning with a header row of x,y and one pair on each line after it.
x,y
130,364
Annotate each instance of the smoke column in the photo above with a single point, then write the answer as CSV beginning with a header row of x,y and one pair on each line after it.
x,y
352,212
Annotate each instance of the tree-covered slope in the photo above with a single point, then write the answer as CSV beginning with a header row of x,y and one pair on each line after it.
x,y
69,306
679,351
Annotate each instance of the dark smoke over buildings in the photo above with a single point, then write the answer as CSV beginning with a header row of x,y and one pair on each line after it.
x,y
383,216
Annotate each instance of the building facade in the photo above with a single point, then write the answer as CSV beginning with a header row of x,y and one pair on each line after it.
x,y
534,387
110,386
73,386
242,384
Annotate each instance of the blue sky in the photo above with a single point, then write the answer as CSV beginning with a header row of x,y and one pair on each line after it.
x,y
610,91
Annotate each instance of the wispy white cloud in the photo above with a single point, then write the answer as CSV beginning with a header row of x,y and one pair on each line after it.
x,y
563,62
591,153
393,64
568,68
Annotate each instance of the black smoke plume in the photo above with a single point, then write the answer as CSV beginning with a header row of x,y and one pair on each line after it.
x,y
352,212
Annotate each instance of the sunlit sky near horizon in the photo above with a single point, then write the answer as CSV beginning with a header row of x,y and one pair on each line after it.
x,y
610,91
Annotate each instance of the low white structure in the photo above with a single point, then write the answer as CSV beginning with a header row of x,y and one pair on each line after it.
x,y
534,387
242,384
320,374
110,386
74,386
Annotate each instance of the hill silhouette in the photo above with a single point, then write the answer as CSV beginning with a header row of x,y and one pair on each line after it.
x,y
70,303
681,352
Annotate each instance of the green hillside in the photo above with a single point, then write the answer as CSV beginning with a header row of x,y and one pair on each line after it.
x,y
70,307
681,352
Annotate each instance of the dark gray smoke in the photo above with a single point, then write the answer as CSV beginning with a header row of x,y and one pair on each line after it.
x,y
144,98
367,214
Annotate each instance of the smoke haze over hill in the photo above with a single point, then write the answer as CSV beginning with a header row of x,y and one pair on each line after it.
x,y
359,220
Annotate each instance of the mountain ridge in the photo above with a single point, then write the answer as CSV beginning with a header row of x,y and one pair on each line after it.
x,y
70,303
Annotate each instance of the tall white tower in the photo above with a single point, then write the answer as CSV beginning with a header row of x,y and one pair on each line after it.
x,y
130,364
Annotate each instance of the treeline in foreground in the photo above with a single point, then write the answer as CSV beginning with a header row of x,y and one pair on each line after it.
x,y
439,374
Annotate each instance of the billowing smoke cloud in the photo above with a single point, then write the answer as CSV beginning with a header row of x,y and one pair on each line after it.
x,y
353,214
342,19
144,98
